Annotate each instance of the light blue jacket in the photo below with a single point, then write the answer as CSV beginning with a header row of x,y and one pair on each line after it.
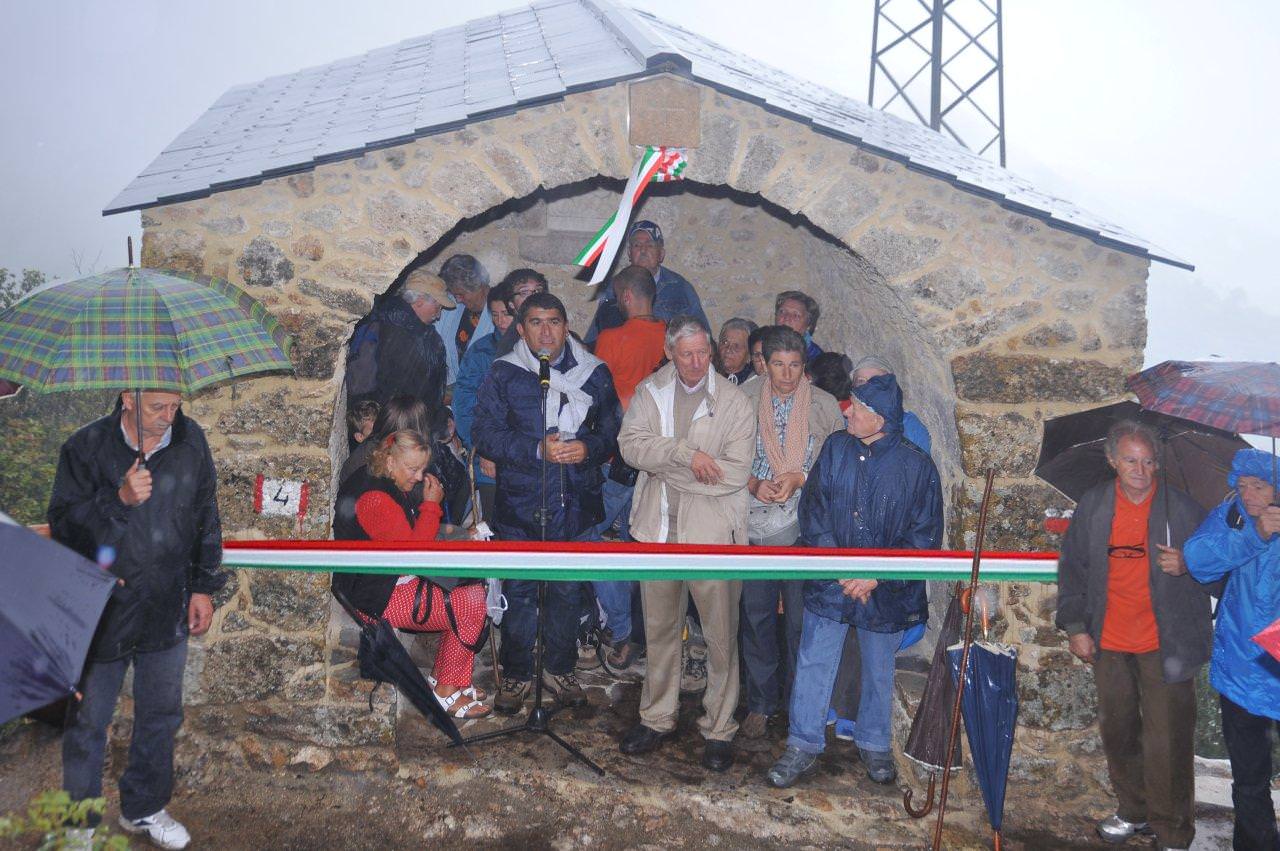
x,y
475,366
447,327
1241,670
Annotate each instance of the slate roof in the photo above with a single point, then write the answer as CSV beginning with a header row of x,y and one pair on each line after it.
x,y
534,54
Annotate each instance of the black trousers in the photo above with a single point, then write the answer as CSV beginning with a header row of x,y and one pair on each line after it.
x,y
1249,747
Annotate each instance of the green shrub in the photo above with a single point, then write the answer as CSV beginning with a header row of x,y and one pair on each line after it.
x,y
50,814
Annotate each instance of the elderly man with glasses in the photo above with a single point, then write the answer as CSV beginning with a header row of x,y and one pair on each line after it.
x,y
1131,610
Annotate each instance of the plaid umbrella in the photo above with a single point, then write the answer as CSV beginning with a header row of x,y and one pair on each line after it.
x,y
1241,397
139,328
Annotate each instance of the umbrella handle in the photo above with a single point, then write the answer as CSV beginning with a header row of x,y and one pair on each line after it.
x,y
964,659
928,802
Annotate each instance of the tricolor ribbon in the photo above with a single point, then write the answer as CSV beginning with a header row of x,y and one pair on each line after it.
x,y
656,165
576,561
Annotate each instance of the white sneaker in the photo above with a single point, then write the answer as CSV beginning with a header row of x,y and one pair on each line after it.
x,y
77,839
161,828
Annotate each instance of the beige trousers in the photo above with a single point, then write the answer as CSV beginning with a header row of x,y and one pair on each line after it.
x,y
665,604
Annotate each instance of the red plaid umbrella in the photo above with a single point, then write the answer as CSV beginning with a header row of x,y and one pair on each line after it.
x,y
1269,640
1233,396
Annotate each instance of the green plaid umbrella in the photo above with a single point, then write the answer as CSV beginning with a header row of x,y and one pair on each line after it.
x,y
139,328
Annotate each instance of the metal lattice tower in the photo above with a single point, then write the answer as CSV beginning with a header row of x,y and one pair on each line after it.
x,y
943,63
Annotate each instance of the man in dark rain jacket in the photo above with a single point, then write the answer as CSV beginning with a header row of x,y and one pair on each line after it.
x,y
868,488
577,432
157,523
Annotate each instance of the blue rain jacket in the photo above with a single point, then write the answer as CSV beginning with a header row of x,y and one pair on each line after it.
x,y
1227,546
887,495
475,366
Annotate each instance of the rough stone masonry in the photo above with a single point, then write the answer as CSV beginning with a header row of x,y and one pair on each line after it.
x,y
997,321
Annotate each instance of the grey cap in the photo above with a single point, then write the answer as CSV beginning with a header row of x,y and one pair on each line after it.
x,y
875,361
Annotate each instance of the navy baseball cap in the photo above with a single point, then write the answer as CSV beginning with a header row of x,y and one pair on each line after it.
x,y
655,232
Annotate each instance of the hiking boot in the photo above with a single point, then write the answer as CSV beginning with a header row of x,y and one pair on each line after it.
x,y
790,767
693,674
621,658
753,726
162,829
511,696
880,765
1115,829
564,688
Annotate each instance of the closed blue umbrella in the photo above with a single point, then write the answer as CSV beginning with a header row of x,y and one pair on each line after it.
x,y
990,707
50,602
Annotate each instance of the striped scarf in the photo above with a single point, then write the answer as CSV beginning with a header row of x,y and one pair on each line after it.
x,y
788,459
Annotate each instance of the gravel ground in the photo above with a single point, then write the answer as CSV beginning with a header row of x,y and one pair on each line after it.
x,y
524,792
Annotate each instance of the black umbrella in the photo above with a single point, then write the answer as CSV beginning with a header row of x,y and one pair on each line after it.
x,y
383,659
930,729
50,601
1195,458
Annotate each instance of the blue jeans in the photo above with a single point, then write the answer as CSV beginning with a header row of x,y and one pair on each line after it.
x,y
617,506
821,640
147,783
615,597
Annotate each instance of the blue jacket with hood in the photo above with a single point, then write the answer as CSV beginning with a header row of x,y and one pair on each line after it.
x,y
1227,545
885,495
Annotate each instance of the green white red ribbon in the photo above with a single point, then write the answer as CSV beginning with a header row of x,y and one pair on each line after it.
x,y
596,561
656,165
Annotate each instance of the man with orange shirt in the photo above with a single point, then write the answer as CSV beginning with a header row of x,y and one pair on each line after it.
x,y
1131,610
632,351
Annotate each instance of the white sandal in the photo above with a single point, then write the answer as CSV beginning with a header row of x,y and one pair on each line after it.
x,y
462,711
470,691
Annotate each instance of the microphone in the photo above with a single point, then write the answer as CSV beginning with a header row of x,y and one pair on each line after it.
x,y
544,368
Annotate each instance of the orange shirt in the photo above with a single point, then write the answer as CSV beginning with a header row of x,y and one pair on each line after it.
x,y
1129,625
632,351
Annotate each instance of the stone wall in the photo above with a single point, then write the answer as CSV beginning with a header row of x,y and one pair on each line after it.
x,y
998,321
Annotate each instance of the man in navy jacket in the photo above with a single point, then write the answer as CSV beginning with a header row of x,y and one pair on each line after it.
x,y
576,432
868,488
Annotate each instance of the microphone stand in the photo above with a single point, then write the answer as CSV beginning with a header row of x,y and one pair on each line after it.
x,y
540,717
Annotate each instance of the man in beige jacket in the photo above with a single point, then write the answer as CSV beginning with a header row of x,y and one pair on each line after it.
x,y
692,435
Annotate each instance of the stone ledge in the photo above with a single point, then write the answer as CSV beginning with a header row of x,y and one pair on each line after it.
x,y
988,377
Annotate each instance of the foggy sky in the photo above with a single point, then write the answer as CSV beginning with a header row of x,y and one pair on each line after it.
x,y
1155,114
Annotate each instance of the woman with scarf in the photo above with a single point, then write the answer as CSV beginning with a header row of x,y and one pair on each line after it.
x,y
795,418
376,503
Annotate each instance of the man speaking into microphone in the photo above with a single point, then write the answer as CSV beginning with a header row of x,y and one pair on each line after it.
x,y
548,400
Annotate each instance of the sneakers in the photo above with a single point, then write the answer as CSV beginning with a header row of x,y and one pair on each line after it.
x,y
511,696
844,729
564,688
1115,829
588,657
74,839
753,726
161,828
790,767
693,674
880,765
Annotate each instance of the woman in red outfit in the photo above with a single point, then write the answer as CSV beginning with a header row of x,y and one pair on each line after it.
x,y
384,511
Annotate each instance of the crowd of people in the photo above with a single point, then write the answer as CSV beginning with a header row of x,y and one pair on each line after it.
x,y
654,429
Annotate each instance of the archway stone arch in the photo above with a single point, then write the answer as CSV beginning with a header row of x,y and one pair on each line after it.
x,y
1004,320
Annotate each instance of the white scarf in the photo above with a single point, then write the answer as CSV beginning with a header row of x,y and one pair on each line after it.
x,y
567,404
